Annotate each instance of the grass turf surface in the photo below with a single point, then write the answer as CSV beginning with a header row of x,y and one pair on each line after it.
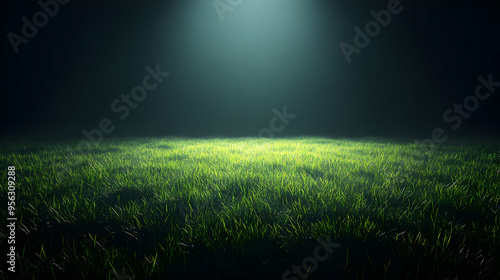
x,y
172,208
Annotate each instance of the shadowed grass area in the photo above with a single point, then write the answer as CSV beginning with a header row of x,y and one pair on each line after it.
x,y
253,208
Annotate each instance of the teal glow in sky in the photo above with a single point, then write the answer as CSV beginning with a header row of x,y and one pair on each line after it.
x,y
260,48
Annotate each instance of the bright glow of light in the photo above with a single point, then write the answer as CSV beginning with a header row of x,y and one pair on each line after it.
x,y
261,48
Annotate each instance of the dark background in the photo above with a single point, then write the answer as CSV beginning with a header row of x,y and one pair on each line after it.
x,y
424,61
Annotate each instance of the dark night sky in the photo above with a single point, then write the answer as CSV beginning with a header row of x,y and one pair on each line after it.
x,y
424,61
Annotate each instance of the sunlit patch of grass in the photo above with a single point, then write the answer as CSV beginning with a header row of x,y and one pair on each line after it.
x,y
163,207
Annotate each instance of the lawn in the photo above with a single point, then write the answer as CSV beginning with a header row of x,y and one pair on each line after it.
x,y
249,208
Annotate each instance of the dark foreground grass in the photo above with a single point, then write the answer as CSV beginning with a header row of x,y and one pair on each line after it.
x,y
303,208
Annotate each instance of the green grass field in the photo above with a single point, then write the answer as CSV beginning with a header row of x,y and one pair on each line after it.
x,y
248,208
